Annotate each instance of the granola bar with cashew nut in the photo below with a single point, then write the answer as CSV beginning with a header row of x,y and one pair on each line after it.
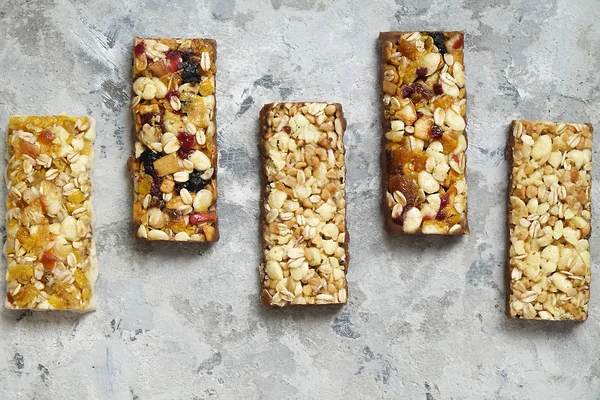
x,y
424,188
174,165
303,206
49,246
549,220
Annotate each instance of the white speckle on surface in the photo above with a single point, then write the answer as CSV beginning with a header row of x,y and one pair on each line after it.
x,y
425,318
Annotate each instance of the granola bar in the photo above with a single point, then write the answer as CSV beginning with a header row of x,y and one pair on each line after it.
x,y
423,151
174,165
303,207
549,188
49,247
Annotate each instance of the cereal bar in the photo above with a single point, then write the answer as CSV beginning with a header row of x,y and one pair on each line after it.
x,y
174,165
549,217
423,114
49,246
303,206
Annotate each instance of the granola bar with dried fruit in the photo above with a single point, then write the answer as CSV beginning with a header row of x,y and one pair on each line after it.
x,y
549,220
424,117
303,206
49,247
174,165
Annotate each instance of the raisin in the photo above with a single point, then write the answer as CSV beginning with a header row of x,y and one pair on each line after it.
x,y
438,89
155,188
435,132
189,70
147,158
419,114
439,41
194,184
406,186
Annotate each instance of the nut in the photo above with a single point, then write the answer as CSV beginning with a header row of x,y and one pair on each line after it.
x,y
304,211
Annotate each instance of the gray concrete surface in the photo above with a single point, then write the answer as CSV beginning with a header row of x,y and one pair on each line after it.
x,y
425,319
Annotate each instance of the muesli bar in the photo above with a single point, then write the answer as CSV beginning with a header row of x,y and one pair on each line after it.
x,y
303,206
49,247
174,165
424,117
549,266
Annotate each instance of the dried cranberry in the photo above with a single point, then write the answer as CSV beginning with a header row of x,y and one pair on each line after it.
x,y
174,60
445,199
139,49
435,132
147,158
151,118
172,93
189,70
422,72
439,40
455,158
407,91
458,43
438,89
198,218
186,145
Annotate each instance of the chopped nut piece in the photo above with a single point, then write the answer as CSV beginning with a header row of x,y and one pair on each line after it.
x,y
303,208
424,105
50,249
174,165
549,263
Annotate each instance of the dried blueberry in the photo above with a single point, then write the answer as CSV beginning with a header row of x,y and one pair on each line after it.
x,y
189,70
147,158
439,41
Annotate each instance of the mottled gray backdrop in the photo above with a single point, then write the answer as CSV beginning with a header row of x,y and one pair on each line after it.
x,y
426,316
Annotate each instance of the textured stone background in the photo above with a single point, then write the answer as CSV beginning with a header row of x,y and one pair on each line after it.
x,y
425,319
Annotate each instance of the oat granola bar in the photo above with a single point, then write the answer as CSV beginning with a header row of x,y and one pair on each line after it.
x,y
174,167
423,151
303,206
49,247
549,220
